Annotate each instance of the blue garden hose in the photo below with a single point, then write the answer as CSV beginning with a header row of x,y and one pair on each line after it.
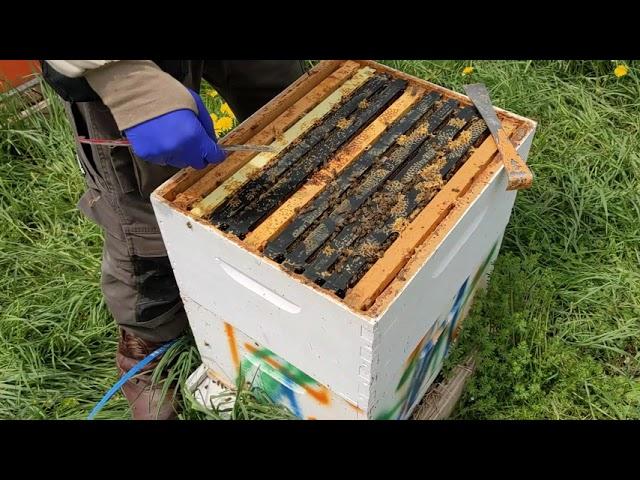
x,y
125,378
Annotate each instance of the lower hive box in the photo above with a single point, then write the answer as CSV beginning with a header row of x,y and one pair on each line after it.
x,y
335,270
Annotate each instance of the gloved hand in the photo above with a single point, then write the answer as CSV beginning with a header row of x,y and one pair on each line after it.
x,y
179,138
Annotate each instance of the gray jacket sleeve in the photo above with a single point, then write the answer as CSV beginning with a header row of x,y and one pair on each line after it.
x,y
134,90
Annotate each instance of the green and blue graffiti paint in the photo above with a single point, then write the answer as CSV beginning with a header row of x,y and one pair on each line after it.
x,y
280,380
425,361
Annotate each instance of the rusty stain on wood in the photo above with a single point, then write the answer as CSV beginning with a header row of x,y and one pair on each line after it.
x,y
519,175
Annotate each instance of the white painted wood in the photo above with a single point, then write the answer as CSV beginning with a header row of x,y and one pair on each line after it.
x,y
323,338
275,376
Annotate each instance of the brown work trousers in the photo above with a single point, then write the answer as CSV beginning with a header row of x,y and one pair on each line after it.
x,y
137,281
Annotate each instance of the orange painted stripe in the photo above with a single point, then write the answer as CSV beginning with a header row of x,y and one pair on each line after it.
x,y
321,396
233,346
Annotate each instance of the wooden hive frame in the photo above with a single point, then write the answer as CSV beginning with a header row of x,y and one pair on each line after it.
x,y
294,112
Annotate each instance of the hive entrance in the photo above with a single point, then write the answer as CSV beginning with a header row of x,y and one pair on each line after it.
x,y
359,157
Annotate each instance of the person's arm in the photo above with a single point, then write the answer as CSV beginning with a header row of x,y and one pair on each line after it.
x,y
165,122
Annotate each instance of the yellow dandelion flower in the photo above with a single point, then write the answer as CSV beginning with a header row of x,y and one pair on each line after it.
x,y
621,71
214,117
223,124
226,110
468,70
212,93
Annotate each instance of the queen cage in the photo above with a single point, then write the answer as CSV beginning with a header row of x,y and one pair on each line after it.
x,y
334,271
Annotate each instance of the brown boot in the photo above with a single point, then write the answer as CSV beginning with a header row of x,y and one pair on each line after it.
x,y
139,392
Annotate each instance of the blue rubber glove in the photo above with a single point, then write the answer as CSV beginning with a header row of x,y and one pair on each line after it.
x,y
179,138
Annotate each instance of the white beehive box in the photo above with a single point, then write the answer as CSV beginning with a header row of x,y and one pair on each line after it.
x,y
374,353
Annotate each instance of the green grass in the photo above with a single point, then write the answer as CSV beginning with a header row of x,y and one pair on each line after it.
x,y
557,332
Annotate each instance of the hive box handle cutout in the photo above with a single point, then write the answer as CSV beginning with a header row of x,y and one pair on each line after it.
x,y
460,243
257,288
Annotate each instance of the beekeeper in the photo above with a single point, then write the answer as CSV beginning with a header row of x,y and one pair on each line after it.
x,y
154,104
